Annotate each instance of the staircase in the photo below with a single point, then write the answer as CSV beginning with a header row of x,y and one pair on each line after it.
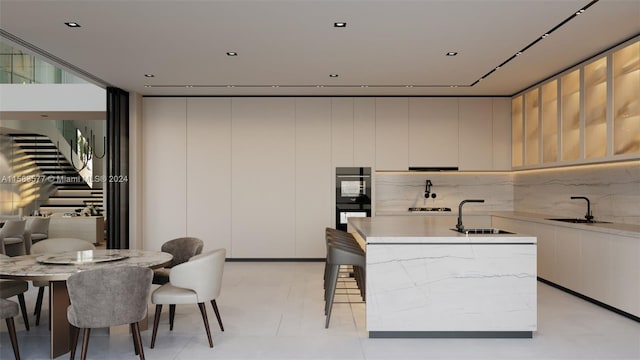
x,y
71,191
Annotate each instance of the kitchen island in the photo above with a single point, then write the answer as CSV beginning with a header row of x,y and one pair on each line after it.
x,y
425,280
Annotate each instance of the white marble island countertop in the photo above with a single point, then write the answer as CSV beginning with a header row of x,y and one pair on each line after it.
x,y
425,229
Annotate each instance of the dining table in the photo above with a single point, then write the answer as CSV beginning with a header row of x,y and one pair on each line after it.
x,y
56,268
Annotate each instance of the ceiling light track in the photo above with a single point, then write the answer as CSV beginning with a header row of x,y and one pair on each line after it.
x,y
540,38
304,86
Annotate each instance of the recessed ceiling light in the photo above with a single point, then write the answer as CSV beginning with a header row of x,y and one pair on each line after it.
x,y
333,75
147,86
232,53
519,53
579,11
452,53
340,24
149,75
545,36
72,24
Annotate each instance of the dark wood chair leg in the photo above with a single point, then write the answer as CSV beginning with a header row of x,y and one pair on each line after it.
x,y
172,315
75,333
156,320
137,340
11,326
133,335
85,343
38,301
23,308
203,311
214,304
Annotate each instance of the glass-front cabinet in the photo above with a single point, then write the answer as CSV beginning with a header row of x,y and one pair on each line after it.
x,y
626,100
517,128
532,125
595,109
589,113
549,115
570,85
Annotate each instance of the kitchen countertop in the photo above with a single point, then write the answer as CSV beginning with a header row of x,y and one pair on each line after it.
x,y
631,230
424,229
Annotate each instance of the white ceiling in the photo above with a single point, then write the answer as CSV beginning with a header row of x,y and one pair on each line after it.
x,y
386,45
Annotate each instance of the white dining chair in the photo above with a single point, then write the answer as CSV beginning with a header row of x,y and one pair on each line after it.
x,y
193,282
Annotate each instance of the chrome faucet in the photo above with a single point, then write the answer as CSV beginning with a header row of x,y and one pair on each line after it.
x,y
588,216
459,225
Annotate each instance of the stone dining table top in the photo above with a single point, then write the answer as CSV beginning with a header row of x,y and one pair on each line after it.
x,y
58,267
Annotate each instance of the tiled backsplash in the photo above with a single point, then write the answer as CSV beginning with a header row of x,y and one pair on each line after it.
x,y
614,191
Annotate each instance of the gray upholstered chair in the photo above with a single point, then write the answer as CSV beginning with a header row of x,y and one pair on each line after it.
x,y
12,238
182,249
193,282
38,228
51,246
9,309
9,288
108,297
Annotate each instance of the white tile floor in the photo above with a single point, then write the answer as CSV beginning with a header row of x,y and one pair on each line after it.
x,y
275,311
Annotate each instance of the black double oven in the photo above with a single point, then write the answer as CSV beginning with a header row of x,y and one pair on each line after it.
x,y
353,194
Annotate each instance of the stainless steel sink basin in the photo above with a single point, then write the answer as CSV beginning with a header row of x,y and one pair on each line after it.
x,y
579,221
482,231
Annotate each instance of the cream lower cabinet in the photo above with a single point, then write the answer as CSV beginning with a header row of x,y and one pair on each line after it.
x,y
599,265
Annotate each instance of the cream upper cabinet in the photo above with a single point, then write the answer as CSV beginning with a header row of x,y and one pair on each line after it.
x,y
433,132
392,132
475,141
501,134
588,114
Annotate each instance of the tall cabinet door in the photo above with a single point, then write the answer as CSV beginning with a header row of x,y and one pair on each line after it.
x,y
313,175
392,128
164,190
433,132
476,134
263,177
342,131
208,165
364,132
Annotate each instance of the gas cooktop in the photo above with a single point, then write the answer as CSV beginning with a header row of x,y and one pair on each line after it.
x,y
429,209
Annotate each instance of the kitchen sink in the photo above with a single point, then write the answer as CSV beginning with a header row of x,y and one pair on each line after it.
x,y
483,231
579,221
